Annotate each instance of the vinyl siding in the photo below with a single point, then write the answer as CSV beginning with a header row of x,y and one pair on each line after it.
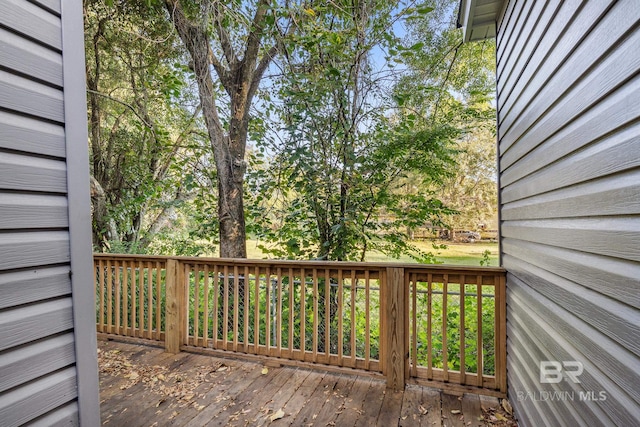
x,y
46,376
569,158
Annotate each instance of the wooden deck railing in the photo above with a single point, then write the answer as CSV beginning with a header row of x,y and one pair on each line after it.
x,y
438,323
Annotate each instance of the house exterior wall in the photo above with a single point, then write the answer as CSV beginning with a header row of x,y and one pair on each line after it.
x,y
568,103
48,369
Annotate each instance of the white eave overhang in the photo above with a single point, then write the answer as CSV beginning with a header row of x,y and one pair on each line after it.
x,y
479,18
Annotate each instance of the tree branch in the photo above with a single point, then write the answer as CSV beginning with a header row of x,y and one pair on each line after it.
x,y
129,106
196,41
444,82
223,35
261,68
223,73
255,36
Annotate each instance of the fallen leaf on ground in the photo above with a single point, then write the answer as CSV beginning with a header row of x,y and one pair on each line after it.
x,y
277,415
265,371
507,406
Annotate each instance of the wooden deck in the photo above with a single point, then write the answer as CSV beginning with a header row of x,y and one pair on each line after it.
x,y
144,386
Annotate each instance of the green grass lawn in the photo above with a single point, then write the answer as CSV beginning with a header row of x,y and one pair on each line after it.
x,y
455,253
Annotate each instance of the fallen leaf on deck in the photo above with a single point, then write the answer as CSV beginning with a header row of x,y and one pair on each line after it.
x,y
277,415
265,371
507,406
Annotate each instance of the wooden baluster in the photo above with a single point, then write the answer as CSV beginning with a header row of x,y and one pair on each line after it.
x,y
278,308
118,311
225,307
134,296
303,313
354,284
367,326
205,313
149,298
429,326
184,288
196,304
414,324
327,316
316,297
158,304
141,302
445,315
291,311
109,298
340,320
479,352
267,312
125,299
246,310
463,378
216,305
101,275
236,306
256,311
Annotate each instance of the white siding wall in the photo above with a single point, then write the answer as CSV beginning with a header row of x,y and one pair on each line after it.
x,y
569,154
40,369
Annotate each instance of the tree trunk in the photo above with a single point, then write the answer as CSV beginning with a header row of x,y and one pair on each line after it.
x,y
240,79
231,168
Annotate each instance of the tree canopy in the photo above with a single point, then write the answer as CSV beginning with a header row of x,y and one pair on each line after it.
x,y
325,129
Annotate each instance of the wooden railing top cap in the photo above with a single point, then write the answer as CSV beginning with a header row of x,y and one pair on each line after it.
x,y
303,264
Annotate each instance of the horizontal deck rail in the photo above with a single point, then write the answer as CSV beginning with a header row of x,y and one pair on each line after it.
x,y
436,323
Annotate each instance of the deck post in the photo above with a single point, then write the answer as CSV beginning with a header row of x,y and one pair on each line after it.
x,y
396,325
173,309
500,333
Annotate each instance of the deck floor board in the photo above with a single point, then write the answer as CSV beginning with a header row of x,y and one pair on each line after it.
x,y
151,388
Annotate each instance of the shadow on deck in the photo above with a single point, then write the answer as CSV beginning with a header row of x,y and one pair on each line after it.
x,y
144,386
